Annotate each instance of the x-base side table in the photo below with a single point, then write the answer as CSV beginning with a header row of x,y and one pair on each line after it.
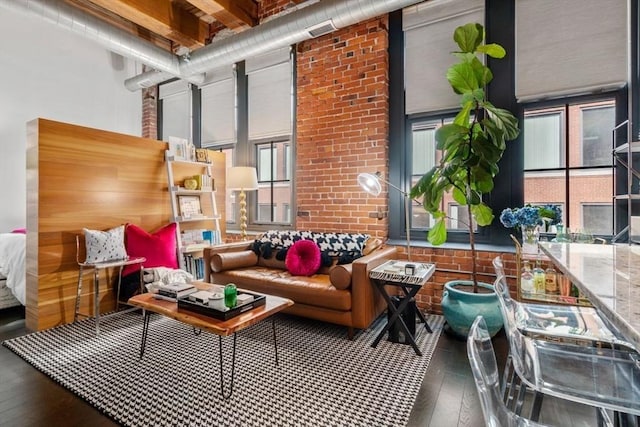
x,y
393,273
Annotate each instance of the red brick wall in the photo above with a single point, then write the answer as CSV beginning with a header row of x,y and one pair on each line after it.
x,y
149,111
342,127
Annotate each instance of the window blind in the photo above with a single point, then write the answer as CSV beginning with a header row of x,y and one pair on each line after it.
x,y
218,108
176,109
269,94
570,47
428,33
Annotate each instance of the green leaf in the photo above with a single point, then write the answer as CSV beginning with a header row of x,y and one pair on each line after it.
x,y
448,134
493,50
462,118
438,233
462,78
469,36
483,179
420,188
459,197
482,214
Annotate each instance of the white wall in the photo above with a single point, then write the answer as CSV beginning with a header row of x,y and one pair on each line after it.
x,y
51,73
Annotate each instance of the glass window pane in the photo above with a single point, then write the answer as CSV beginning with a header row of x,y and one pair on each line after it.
x,y
597,219
264,163
543,142
597,124
541,188
589,187
423,149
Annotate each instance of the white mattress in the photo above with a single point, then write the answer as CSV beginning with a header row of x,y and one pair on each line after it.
x,y
12,263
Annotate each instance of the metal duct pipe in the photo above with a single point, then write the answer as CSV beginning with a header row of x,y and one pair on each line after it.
x,y
317,19
112,38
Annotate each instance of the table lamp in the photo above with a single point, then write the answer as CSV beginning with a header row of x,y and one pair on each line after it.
x,y
371,184
242,178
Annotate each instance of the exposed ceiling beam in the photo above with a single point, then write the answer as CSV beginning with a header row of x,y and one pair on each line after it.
x,y
162,17
235,14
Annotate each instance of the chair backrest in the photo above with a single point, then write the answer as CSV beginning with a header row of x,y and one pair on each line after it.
x,y
498,265
522,352
485,373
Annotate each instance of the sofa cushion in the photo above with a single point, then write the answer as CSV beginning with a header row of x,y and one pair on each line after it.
x,y
159,247
344,246
340,276
315,290
230,260
303,258
371,245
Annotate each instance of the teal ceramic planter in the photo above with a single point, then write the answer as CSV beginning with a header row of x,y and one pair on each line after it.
x,y
461,307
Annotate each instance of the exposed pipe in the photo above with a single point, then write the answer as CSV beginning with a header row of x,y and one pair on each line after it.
x,y
305,23
317,19
112,38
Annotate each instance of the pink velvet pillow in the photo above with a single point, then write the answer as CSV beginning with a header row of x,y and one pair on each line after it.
x,y
159,247
20,230
303,258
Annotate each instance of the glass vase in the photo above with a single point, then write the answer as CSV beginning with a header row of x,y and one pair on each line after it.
x,y
530,238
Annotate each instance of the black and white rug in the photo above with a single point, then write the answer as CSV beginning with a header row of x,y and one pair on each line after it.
x,y
323,378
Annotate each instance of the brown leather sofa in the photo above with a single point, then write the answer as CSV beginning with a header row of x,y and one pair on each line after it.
x,y
354,303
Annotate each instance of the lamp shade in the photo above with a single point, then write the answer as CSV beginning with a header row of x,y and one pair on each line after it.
x,y
242,178
370,183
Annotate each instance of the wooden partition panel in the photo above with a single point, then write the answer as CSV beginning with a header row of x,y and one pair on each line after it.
x,y
80,177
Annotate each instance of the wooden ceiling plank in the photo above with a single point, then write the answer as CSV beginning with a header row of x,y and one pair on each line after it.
x,y
159,16
234,14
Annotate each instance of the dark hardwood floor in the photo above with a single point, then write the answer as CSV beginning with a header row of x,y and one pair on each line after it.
x,y
447,396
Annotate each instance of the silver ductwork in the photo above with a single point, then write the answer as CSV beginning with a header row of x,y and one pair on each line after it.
x,y
304,23
319,18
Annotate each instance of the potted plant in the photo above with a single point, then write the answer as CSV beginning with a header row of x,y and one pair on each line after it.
x,y
471,148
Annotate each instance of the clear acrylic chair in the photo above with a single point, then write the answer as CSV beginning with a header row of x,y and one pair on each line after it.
x,y
485,373
601,377
566,323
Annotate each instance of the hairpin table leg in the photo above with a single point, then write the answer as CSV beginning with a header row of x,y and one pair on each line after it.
x,y
233,368
145,332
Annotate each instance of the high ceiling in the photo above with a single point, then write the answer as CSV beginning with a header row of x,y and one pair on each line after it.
x,y
173,24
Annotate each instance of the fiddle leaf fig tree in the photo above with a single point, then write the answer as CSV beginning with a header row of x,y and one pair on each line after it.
x,y
472,145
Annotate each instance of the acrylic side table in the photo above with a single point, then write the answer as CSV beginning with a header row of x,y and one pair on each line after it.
x,y
394,273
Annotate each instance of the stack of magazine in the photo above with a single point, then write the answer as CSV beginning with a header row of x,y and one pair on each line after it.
x,y
173,291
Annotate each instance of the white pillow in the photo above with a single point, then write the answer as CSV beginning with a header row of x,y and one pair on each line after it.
x,y
105,246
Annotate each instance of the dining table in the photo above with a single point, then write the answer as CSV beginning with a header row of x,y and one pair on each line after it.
x,y
608,275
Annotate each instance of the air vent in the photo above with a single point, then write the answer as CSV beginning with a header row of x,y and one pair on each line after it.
x,y
145,83
321,29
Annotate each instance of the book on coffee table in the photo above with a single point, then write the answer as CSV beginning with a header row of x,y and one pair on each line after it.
x,y
176,290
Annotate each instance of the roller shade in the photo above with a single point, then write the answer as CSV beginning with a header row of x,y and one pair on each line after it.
x,y
176,109
428,34
570,47
218,108
269,94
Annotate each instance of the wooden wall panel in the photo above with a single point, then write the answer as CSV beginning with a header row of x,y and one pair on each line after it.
x,y
81,177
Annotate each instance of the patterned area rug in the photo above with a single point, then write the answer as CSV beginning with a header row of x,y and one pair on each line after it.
x,y
322,379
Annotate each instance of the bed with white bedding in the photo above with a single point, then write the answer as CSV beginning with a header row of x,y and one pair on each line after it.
x,y
12,269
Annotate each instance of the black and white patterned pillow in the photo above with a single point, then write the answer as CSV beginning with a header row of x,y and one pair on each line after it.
x,y
105,246
331,244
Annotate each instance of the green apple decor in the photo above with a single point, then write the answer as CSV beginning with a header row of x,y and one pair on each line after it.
x,y
471,148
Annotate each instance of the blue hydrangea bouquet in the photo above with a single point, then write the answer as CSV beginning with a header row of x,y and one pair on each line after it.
x,y
531,216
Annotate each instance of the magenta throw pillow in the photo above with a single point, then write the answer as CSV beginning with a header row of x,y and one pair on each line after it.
x,y
303,258
159,247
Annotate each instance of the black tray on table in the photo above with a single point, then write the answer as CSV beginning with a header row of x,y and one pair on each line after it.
x,y
184,304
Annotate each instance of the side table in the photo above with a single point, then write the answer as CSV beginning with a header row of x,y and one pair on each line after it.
x,y
393,273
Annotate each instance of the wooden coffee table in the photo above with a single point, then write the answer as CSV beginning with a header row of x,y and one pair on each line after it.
x,y
201,322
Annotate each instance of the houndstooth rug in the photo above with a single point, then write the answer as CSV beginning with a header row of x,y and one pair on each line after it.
x,y
323,378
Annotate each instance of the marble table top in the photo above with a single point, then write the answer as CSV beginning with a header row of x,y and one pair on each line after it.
x,y
609,275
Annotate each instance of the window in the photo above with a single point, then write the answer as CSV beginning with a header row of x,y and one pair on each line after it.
x,y
175,108
274,182
597,218
423,158
568,161
596,135
544,132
